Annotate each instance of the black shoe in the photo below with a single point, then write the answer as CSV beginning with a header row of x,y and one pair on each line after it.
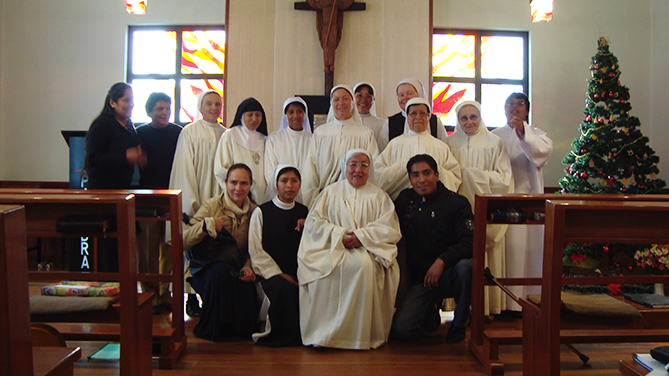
x,y
193,308
166,307
455,334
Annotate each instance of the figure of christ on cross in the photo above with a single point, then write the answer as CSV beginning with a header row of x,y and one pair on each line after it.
x,y
329,23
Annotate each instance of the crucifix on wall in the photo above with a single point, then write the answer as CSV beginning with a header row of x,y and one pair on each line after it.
x,y
329,23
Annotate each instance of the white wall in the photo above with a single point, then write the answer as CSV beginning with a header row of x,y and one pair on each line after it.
x,y
58,58
286,41
560,56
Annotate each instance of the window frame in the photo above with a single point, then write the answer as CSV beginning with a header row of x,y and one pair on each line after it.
x,y
477,80
178,75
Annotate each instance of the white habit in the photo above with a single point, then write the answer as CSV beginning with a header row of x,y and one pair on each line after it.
x,y
391,164
347,296
193,166
287,147
486,169
329,144
374,123
525,244
384,134
230,151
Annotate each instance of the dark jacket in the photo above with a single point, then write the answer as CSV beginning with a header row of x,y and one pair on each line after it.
x,y
436,226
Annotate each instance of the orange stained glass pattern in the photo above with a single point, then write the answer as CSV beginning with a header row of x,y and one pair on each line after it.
x,y
453,56
135,6
190,90
203,52
447,95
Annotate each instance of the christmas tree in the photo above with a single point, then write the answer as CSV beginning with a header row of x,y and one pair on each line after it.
x,y
610,156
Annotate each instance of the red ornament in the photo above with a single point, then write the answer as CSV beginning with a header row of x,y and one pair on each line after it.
x,y
583,151
611,183
627,134
588,118
600,121
597,67
622,101
569,169
611,74
630,268
610,94
606,248
584,175
596,95
641,186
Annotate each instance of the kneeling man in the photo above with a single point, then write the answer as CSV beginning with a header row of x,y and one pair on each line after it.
x,y
438,226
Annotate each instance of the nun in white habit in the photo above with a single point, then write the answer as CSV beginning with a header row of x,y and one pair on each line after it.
x,y
394,125
391,163
365,102
486,169
193,165
244,143
342,132
290,144
347,268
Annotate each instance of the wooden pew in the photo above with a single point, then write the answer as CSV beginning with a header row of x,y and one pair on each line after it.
x,y
588,221
168,205
485,339
17,356
43,208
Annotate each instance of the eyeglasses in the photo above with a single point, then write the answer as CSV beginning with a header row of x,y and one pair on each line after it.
x,y
516,104
354,165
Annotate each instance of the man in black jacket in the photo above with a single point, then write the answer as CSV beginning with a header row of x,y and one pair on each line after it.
x,y
438,227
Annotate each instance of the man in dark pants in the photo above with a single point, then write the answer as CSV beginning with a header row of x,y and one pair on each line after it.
x,y
438,226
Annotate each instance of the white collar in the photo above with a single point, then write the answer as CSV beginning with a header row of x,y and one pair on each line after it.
x,y
282,205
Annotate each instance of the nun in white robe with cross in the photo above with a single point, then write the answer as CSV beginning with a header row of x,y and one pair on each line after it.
x,y
244,143
342,132
347,268
486,169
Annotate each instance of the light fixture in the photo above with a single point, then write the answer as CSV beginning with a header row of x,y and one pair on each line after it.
x,y
542,10
136,6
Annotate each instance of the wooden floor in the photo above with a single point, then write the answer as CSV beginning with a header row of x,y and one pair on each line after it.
x,y
428,356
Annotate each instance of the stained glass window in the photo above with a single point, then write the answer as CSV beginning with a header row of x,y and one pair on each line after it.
x,y
479,65
181,61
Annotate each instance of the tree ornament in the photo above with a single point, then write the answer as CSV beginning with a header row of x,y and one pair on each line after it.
x,y
597,67
652,175
624,181
606,248
583,151
591,164
600,172
584,175
613,66
593,136
645,155
603,69
600,121
611,75
603,182
611,183
622,101
596,95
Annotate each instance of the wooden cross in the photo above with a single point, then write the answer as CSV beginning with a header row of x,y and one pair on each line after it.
x,y
329,23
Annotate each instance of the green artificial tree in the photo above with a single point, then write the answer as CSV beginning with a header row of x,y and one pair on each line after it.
x,y
610,156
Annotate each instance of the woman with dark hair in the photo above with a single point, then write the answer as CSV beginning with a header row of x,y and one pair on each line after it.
x,y
217,236
112,146
274,237
364,100
244,143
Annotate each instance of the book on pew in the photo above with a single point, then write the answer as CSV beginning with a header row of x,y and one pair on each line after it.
x,y
655,367
649,300
508,215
